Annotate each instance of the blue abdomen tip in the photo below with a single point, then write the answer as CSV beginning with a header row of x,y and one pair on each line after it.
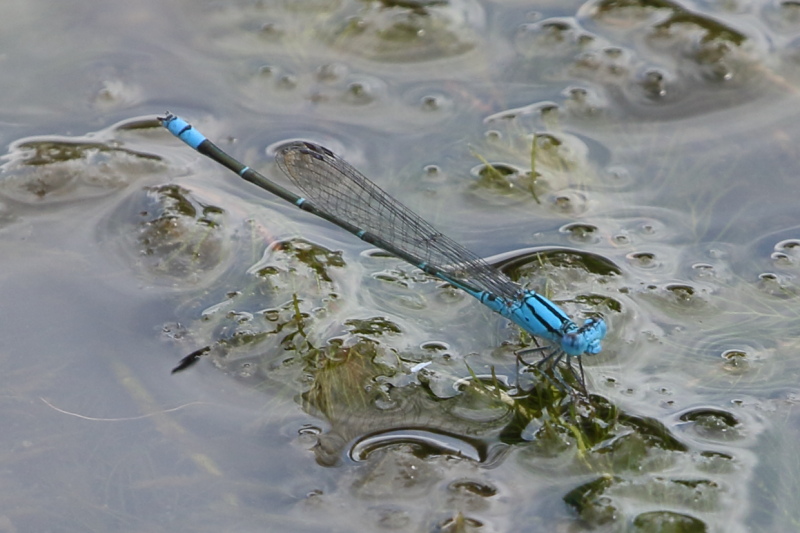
x,y
183,131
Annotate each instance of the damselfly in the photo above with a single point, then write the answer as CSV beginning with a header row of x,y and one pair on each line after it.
x,y
339,193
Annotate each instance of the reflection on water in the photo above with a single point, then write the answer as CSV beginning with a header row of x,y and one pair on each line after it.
x,y
632,160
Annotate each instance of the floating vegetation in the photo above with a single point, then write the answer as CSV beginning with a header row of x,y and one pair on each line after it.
x,y
406,31
507,179
46,170
177,235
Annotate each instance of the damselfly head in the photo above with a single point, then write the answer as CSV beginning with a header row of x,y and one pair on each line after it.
x,y
585,339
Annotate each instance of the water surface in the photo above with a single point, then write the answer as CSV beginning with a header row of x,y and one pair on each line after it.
x,y
344,390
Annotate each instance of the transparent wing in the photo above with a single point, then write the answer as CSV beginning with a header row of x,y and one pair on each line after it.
x,y
333,185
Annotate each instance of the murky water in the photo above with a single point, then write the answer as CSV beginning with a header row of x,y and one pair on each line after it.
x,y
343,390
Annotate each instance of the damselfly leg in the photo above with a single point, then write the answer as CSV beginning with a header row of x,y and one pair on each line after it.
x,y
549,364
